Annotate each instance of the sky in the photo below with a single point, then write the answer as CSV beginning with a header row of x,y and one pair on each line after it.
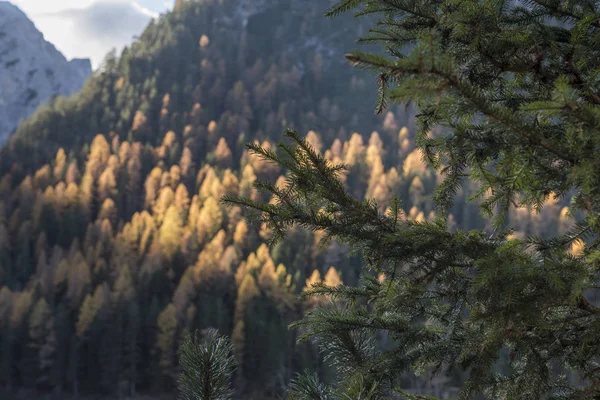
x,y
91,28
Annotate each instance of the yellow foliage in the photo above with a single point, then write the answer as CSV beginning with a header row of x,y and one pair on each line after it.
x,y
248,178
577,248
182,197
403,134
420,217
151,186
375,141
551,199
313,279
246,291
120,83
265,231
212,127
231,184
353,149
389,123
206,189
108,210
174,175
107,184
100,148
171,231
241,231
412,213
565,222
337,148
169,139
60,163
332,278
314,140
414,165
204,42
280,182
267,277
223,154
164,201
139,120
185,163
209,260
209,219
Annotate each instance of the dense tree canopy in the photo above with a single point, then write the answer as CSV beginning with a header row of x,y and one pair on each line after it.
x,y
114,245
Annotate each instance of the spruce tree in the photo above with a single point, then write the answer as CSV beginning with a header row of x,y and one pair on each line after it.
x,y
508,96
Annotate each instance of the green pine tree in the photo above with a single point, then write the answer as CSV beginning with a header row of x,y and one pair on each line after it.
x,y
132,343
43,342
213,356
513,92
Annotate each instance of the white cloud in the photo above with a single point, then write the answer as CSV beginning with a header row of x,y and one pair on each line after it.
x,y
144,10
91,28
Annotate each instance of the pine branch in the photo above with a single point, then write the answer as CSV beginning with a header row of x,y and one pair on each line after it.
x,y
557,9
207,364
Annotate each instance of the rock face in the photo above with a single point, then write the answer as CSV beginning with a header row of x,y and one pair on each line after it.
x,y
32,70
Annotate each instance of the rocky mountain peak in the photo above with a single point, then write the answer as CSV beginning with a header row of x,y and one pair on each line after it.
x,y
32,70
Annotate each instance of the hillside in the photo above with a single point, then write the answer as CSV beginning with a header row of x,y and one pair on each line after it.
x,y
31,69
113,242
168,58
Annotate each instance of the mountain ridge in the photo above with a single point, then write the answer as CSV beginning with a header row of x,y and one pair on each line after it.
x,y
32,70
244,44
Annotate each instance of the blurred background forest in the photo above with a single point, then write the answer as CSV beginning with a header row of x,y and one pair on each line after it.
x,y
113,241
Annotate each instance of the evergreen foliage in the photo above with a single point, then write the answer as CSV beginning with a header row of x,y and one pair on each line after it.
x,y
512,91
207,367
114,246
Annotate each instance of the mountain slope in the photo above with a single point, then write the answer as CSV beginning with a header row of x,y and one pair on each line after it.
x,y
168,59
31,69
113,242
111,229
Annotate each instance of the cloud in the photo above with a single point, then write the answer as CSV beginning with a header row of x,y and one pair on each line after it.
x,y
91,28
144,10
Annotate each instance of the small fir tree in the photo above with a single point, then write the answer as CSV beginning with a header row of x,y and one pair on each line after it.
x,y
207,363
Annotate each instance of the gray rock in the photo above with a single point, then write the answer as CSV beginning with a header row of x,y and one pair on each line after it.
x,y
32,70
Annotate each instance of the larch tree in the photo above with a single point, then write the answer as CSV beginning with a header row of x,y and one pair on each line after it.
x,y
59,164
170,232
508,96
209,219
72,174
223,154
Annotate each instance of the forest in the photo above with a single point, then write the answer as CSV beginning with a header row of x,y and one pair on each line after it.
x,y
115,244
